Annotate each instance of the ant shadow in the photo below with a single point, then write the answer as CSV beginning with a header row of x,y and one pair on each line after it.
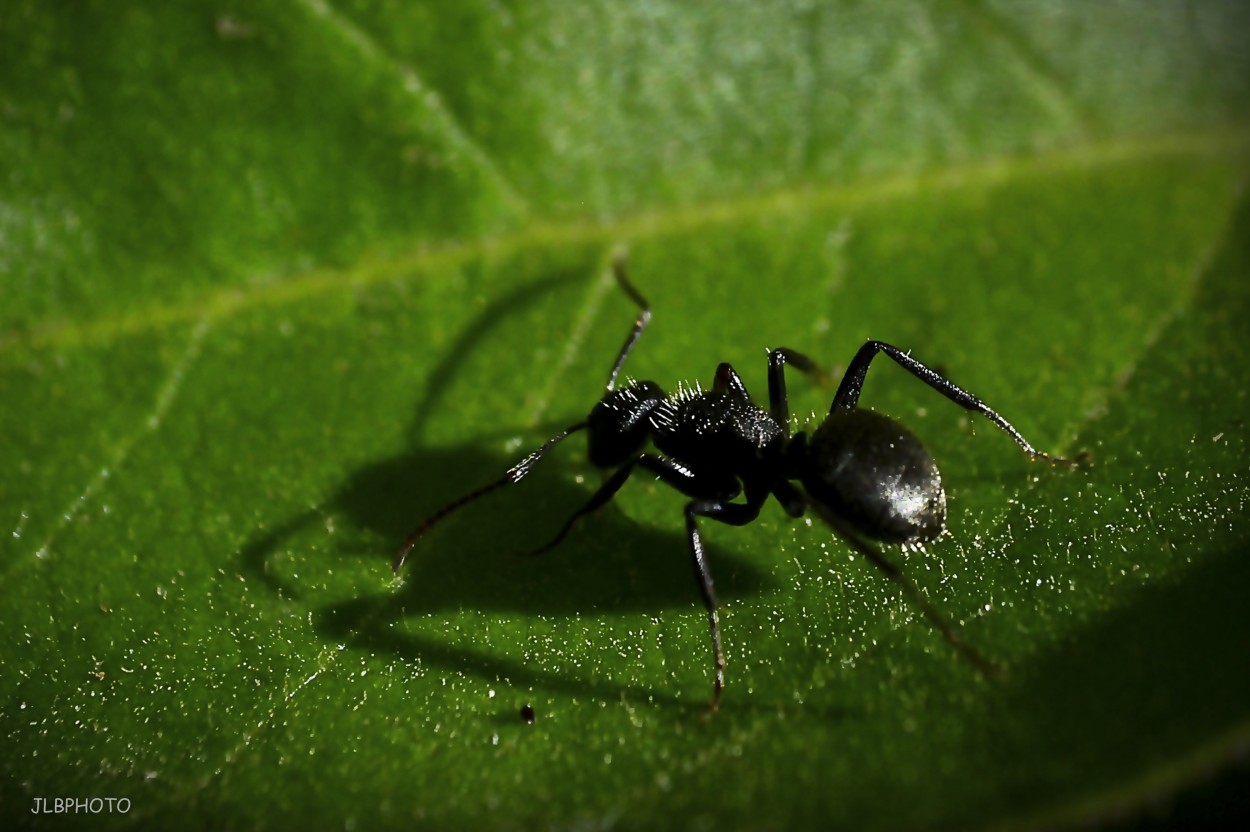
x,y
608,565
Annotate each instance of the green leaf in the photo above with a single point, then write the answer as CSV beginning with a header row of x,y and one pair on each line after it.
x,y
279,281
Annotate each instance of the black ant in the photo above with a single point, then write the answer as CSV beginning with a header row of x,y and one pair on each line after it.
x,y
863,473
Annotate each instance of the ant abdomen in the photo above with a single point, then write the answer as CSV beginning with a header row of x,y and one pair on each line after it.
x,y
876,476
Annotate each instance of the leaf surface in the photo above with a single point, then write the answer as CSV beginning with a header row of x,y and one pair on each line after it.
x,y
279,283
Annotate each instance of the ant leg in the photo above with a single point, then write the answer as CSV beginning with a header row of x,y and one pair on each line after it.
x,y
644,317
728,381
778,402
515,474
913,593
791,499
735,514
853,383
601,496
671,472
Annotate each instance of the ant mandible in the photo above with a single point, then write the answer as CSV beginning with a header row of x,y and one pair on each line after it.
x,y
863,473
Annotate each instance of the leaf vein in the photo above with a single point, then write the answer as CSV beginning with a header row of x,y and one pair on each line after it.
x,y
430,101
121,452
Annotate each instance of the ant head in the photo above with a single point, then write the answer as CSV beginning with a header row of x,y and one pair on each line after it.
x,y
873,474
618,424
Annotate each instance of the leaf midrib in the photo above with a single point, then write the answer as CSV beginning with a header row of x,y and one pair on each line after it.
x,y
671,221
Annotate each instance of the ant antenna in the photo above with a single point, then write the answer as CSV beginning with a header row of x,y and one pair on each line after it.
x,y
514,475
517,472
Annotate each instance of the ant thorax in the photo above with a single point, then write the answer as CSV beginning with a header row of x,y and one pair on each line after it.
x,y
714,428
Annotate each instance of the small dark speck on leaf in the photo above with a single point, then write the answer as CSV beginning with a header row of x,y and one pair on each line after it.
x,y
527,713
